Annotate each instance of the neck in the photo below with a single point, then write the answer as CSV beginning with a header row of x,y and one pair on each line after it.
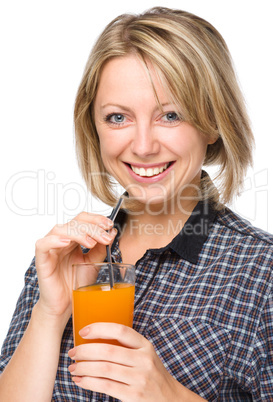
x,y
152,228
159,220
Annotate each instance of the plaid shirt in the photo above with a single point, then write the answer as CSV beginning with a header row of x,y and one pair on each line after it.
x,y
204,301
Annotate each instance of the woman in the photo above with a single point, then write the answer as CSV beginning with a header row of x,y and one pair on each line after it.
x,y
158,100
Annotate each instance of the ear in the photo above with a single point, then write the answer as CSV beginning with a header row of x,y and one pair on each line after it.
x,y
212,139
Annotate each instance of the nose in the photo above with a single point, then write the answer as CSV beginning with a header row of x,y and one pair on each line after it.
x,y
145,142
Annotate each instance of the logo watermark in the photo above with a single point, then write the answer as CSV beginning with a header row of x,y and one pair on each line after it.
x,y
48,196
253,203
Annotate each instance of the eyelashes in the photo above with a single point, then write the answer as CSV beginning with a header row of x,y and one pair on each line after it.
x,y
171,117
120,119
115,118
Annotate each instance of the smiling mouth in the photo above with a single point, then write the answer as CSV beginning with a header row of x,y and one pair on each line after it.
x,y
151,171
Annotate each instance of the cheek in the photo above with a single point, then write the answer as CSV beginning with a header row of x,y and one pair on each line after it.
x,y
106,144
110,151
189,147
200,148
113,144
186,141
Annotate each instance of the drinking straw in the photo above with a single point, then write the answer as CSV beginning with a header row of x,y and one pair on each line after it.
x,y
109,258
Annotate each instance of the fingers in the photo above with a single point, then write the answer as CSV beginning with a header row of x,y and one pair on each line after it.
x,y
100,352
85,218
102,377
52,245
103,385
106,368
49,242
44,245
128,373
123,334
99,220
100,369
95,226
127,354
87,230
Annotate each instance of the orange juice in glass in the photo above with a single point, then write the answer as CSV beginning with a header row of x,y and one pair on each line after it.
x,y
93,299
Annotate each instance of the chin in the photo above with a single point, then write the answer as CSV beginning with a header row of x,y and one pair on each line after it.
x,y
148,201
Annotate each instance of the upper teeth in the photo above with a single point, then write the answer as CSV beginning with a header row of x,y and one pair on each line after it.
x,y
150,171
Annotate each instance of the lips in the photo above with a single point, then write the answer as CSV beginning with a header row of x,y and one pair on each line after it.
x,y
150,171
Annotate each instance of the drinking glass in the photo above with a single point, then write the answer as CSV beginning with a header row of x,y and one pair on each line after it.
x,y
94,300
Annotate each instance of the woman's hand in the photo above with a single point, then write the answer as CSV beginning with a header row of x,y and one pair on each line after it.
x,y
56,252
132,372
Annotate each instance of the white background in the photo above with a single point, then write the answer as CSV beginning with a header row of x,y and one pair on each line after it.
x,y
44,47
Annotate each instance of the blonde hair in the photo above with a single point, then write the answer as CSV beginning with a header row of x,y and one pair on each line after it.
x,y
194,62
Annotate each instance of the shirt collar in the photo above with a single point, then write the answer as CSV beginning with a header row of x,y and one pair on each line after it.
x,y
189,242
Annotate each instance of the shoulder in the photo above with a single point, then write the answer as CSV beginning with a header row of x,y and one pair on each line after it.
x,y
235,243
236,224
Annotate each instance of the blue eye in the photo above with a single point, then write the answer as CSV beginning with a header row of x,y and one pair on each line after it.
x,y
172,116
115,118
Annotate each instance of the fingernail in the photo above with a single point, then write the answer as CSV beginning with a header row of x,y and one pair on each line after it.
x,y
113,232
76,379
90,241
72,367
72,353
66,241
84,331
106,225
106,236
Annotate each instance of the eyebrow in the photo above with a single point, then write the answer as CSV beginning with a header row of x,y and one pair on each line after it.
x,y
127,108
115,105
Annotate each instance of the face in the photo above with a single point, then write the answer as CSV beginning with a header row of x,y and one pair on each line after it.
x,y
149,149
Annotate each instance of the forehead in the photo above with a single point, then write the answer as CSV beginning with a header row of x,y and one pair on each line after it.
x,y
130,76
